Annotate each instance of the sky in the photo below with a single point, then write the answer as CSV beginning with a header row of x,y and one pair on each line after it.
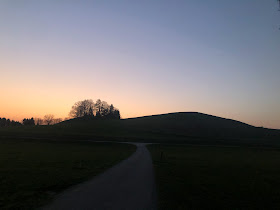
x,y
218,57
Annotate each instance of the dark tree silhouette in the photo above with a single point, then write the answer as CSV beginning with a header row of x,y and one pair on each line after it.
x,y
97,106
116,114
39,121
49,118
57,120
104,109
82,108
99,110
15,123
27,121
8,123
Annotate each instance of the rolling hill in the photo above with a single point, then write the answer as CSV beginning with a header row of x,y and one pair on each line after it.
x,y
181,127
200,125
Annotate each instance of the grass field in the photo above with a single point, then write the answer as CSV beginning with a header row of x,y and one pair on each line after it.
x,y
32,172
205,177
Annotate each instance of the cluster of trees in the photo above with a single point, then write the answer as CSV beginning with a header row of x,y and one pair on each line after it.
x,y
7,122
86,108
99,109
27,121
48,119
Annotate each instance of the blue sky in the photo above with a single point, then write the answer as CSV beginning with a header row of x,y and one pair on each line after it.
x,y
146,57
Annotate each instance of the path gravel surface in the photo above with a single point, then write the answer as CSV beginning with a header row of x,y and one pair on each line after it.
x,y
128,185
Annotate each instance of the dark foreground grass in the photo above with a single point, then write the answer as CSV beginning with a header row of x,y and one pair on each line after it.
x,y
32,172
197,177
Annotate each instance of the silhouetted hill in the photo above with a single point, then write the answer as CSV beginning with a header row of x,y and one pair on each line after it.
x,y
199,124
182,127
171,125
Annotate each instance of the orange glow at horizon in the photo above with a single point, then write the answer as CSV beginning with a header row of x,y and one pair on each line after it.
x,y
140,58
36,97
37,104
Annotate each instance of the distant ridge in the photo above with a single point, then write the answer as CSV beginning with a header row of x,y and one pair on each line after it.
x,y
171,127
175,114
200,124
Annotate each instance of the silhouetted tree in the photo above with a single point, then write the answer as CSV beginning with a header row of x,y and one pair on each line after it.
x,y
111,109
39,121
15,123
104,109
27,121
98,104
116,114
2,122
113,112
99,109
49,119
57,120
82,108
90,112
8,123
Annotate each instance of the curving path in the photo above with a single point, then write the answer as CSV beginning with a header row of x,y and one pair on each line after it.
x,y
126,186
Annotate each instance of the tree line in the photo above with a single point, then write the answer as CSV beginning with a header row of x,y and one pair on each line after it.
x,y
48,119
7,122
98,110
86,108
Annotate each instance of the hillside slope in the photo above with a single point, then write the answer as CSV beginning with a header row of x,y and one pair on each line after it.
x,y
171,126
182,127
199,124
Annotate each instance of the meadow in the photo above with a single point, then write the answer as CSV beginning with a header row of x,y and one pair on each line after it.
x,y
210,177
33,171
217,163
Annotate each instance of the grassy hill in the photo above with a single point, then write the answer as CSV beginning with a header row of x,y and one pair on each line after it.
x,y
179,127
199,124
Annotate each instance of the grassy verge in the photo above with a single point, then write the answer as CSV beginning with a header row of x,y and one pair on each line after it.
x,y
197,177
32,172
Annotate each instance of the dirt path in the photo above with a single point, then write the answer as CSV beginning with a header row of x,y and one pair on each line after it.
x,y
126,186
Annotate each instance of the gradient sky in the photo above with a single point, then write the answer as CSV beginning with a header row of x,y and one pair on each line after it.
x,y
218,57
